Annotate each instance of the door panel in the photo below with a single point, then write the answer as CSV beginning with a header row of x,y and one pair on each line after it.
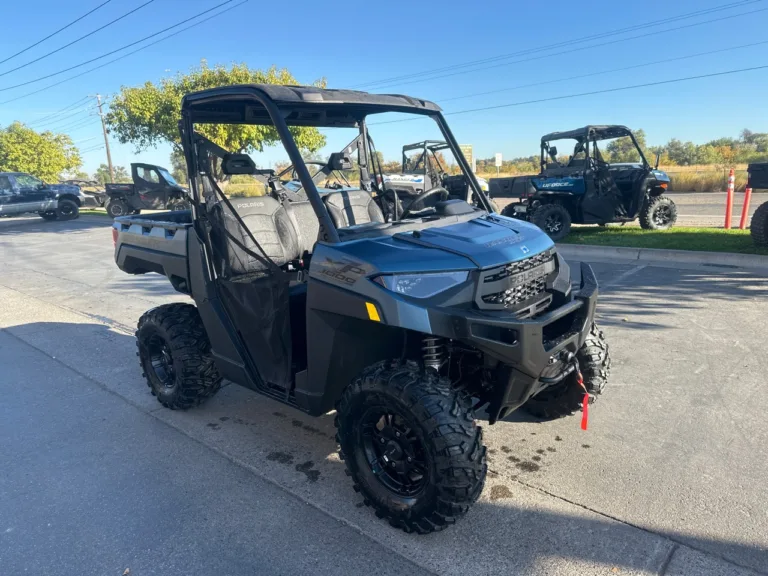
x,y
602,196
153,193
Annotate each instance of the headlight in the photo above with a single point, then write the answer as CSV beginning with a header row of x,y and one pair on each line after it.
x,y
421,285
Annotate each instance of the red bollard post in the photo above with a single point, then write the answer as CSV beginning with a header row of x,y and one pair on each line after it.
x,y
745,208
729,200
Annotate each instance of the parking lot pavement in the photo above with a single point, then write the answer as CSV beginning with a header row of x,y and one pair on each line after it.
x,y
670,478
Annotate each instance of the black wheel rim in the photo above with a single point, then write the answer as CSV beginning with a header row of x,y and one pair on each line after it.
x,y
394,452
116,209
662,216
161,362
553,224
66,209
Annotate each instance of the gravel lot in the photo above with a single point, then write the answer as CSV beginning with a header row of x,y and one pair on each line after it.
x,y
98,477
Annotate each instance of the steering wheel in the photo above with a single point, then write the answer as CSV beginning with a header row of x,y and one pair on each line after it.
x,y
444,195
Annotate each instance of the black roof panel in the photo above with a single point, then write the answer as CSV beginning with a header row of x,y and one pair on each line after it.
x,y
306,105
602,132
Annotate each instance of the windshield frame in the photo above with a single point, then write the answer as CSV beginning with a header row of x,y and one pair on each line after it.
x,y
229,99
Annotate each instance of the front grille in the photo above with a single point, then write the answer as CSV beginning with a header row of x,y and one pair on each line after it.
x,y
517,285
517,267
517,294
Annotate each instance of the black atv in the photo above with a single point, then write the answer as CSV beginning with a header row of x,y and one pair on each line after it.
x,y
758,180
153,188
587,190
405,324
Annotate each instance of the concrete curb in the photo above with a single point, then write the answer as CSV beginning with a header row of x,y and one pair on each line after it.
x,y
722,259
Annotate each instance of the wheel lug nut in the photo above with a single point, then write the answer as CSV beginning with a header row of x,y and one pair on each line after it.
x,y
397,434
409,458
381,440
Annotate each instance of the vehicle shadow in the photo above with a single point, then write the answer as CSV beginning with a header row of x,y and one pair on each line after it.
x,y
35,224
514,528
651,297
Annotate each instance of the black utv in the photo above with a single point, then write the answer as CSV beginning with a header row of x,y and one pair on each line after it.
x,y
585,189
405,324
153,188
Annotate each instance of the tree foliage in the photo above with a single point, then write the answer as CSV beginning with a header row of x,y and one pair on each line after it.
x,y
102,174
42,154
148,115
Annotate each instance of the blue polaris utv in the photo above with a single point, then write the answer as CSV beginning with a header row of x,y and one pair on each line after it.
x,y
405,322
585,189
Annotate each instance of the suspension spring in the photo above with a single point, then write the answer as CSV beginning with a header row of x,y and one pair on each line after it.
x,y
432,349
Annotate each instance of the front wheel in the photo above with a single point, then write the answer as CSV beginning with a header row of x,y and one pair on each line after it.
x,y
554,219
565,397
175,355
411,446
658,213
67,210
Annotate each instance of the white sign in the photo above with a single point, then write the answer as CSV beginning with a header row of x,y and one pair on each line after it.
x,y
498,159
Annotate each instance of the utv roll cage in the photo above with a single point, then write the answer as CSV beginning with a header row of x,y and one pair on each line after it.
x,y
426,146
284,107
586,136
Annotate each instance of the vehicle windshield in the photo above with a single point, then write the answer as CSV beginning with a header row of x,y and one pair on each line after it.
x,y
168,178
347,161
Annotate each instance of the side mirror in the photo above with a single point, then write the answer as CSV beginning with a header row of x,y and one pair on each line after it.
x,y
237,164
553,151
339,161
658,158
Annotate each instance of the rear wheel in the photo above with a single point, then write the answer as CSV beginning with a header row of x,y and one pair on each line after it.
x,y
175,355
117,207
411,446
566,397
658,213
759,225
554,219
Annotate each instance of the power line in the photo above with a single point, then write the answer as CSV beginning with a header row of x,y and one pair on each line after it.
x,y
572,50
564,43
92,32
117,50
52,114
61,118
580,94
123,56
77,124
622,69
51,35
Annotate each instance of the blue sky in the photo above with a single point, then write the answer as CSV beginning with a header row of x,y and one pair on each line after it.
x,y
354,44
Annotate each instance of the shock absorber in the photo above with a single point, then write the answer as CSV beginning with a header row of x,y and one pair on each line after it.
x,y
432,351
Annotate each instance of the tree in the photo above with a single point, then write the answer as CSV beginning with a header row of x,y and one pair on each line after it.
x,y
42,154
623,149
148,115
102,174
179,166
682,153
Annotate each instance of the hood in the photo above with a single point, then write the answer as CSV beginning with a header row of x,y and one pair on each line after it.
x,y
487,241
660,175
64,188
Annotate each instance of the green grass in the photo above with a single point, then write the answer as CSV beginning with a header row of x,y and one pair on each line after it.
x,y
93,212
698,239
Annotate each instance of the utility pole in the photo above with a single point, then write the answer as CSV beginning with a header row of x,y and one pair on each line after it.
x,y
106,140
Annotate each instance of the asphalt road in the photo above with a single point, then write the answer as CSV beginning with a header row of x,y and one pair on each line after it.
x,y
97,477
702,208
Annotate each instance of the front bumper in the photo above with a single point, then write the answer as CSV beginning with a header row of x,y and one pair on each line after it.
x,y
524,348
